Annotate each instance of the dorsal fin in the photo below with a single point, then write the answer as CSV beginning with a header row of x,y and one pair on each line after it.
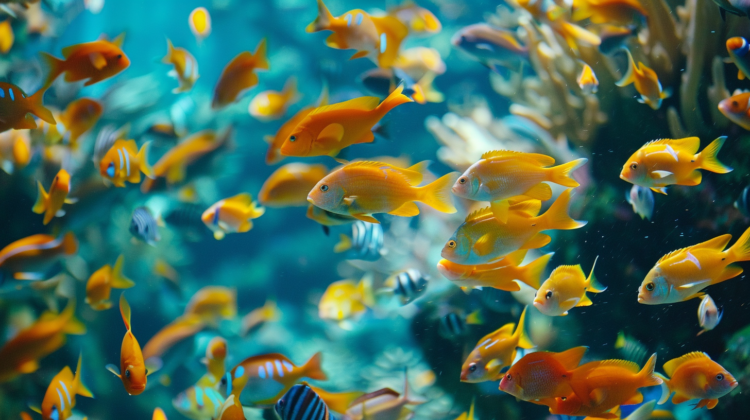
x,y
478,214
516,258
541,159
412,176
718,243
568,270
672,254
672,365
688,144
631,366
364,103
570,358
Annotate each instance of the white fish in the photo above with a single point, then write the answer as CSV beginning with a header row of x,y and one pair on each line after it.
x,y
642,200
708,314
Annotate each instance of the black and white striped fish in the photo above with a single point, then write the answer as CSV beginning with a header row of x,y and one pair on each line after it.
x,y
302,403
454,325
143,226
408,285
366,242
743,202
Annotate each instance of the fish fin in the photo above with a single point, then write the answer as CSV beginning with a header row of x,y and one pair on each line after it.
x,y
537,241
437,194
55,67
114,369
570,358
415,173
635,399
332,132
529,207
556,217
740,251
524,340
679,399
664,388
475,318
708,160
561,175
407,209
541,191
125,311
694,178
500,210
693,284
70,200
323,21
660,174
29,366
365,218
392,33
671,366
533,271
37,107
176,173
585,301
344,244
516,258
740,75
580,34
729,272
245,226
41,200
484,245
359,54
261,61
69,244
219,235
98,60
81,389
537,158
592,285
153,365
119,281
660,190
393,100
143,159
312,368
35,408
118,40
629,76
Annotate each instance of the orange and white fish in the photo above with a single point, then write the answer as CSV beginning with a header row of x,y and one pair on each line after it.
x,y
328,129
619,12
737,109
239,75
181,328
696,376
60,397
200,23
90,61
346,300
124,162
271,105
682,274
232,215
646,83
587,80
213,303
27,257
15,150
504,274
361,189
495,351
420,21
50,204
565,289
258,317
709,314
79,117
289,185
660,163
101,283
185,67
15,108
133,371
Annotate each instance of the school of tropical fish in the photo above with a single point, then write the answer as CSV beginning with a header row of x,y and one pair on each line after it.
x,y
368,210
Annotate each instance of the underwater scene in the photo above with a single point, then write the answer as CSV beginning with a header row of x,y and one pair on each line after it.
x,y
374,209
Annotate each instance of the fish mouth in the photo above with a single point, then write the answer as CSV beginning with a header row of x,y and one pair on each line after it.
x,y
641,299
310,199
622,176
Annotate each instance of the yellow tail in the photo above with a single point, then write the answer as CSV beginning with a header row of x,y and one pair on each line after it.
x,y
532,272
73,325
708,159
80,388
561,174
41,200
630,74
55,68
523,340
125,311
393,100
37,107
143,160
740,251
591,284
556,217
313,369
438,193
119,281
261,61
647,373
323,21
344,244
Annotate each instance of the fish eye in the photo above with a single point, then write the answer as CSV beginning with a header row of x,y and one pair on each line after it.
x,y
119,56
293,138
462,180
650,287
451,244
127,373
720,377
548,295
735,104
508,377
223,380
472,367
564,398
146,372
633,166
324,187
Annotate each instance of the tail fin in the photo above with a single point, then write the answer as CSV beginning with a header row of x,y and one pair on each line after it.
x,y
41,200
119,281
125,311
630,74
666,391
312,368
393,100
647,373
69,244
73,326
708,160
54,66
323,21
561,174
740,251
261,61
556,217
533,271
170,50
475,318
591,284
81,389
438,193
344,244
143,159
37,106
523,340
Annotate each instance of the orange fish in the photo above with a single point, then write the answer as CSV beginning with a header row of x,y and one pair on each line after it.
x,y
239,75
178,330
200,23
328,129
587,80
289,185
213,303
185,67
50,204
275,142
124,162
21,354
216,354
232,215
696,376
134,372
79,117
565,289
258,317
231,409
619,12
502,275
158,414
271,105
28,256
90,61
60,397
737,109
15,108
15,150
646,83
417,62
101,283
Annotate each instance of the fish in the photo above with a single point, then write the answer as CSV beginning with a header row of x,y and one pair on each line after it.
x,y
258,317
79,117
134,372
565,289
416,62
216,354
232,215
501,174
199,403
361,189
419,20
642,200
231,410
376,37
407,285
274,155
185,67
646,83
6,36
682,274
735,7
16,108
737,109
618,12
467,415
22,353
271,105
326,218
587,80
302,403
158,414
345,301
50,204
696,376
383,82
504,274
15,150
495,351
101,283
143,226
239,75
200,23
738,48
613,37
91,61
327,130
366,242
186,218
264,379
453,324
336,401
213,303
709,315
181,328
482,239
26,258
123,162
743,202
383,404
494,47
60,397
660,163
289,185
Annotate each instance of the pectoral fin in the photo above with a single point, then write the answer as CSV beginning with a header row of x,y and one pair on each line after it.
x,y
537,241
483,246
660,190
693,284
660,174
359,54
407,209
365,218
500,210
332,132
98,60
112,368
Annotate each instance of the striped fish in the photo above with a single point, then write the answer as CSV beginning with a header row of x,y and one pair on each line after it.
x,y
302,403
143,226
743,202
454,325
366,242
408,285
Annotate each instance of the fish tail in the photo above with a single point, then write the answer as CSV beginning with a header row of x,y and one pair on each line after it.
x,y
740,251
561,174
41,200
556,217
522,339
73,326
438,193
666,389
647,373
323,21
69,244
313,369
707,159
630,74
475,318
119,281
393,100
143,159
80,388
344,244
54,67
170,50
37,107
261,61
533,271
592,285
125,311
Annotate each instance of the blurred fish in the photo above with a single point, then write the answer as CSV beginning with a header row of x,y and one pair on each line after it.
x,y
492,47
289,185
200,23
302,403
696,376
60,397
420,21
159,414
735,7
178,330
143,226
383,82
14,114
366,242
274,156
232,215
213,303
336,401
743,202
327,218
216,354
134,371
737,109
407,285
453,324
258,317
231,410
646,83
502,275
587,80
630,348
96,6
6,36
619,12
565,289
642,200
163,269
185,67
101,283
416,62
27,258
106,138
385,404
239,75
467,415
79,117
50,204
613,36
345,301
186,217
124,162
90,61
271,105
15,150
199,403
709,315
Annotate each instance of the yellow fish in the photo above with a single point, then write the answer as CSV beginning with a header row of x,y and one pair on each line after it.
x,y
420,21
6,36
200,23
101,283
289,185
416,62
619,12
50,204
239,75
646,83
213,303
185,67
258,317
271,105
565,289
346,300
232,215
502,275
124,162
587,80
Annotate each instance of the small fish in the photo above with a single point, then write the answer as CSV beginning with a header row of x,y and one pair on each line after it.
x,y
407,285
336,401
565,289
420,21
199,403
186,217
185,67
743,202
646,83
101,283
613,36
327,218
79,117
682,274
361,189
660,163
366,242
16,108
273,155
302,403
618,12
453,324
385,404
213,303
709,314
495,351
737,109
232,215
200,23
504,274
289,185
216,354
96,6
90,61
158,414
181,328
493,47
15,150
50,204
6,36
642,200
231,410
27,257
271,105
239,75
60,397
165,270
124,162
735,7
327,130
416,62
134,371
143,226
696,376
587,80
258,317
345,301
